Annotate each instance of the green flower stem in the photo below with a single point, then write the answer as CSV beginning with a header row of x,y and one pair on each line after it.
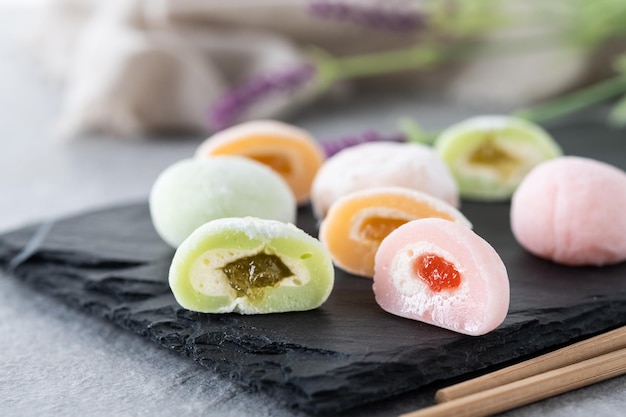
x,y
617,117
331,69
578,100
415,133
420,57
424,56
575,101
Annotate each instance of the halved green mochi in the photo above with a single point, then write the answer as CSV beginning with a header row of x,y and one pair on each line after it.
x,y
490,155
250,266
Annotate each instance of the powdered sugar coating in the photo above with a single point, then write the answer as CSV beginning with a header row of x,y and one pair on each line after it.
x,y
294,146
192,192
206,273
571,210
345,232
253,127
408,165
476,307
490,155
198,281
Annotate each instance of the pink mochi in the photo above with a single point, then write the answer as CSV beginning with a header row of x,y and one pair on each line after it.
x,y
572,210
477,305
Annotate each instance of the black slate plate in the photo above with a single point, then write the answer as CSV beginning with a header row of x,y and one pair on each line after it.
x,y
348,352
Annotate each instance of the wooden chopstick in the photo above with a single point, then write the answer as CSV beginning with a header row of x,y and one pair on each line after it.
x,y
577,352
580,364
531,389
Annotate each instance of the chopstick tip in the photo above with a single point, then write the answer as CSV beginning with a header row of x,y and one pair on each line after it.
x,y
441,396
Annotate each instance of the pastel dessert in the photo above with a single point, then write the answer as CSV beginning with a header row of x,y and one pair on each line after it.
x,y
357,222
288,150
250,266
442,273
571,210
192,192
490,155
376,164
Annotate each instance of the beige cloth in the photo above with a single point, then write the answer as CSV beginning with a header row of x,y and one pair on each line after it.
x,y
132,67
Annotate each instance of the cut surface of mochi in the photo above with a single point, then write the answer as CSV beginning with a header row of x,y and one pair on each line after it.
x,y
377,164
490,155
572,210
192,192
290,151
357,222
442,273
250,266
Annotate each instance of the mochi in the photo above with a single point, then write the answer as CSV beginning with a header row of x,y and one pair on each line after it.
x,y
442,273
192,192
290,151
572,210
250,266
357,223
376,164
490,155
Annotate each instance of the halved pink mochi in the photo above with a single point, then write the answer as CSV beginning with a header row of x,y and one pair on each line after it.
x,y
442,273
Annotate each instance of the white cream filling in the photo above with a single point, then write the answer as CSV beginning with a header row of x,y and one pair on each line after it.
x,y
207,276
449,308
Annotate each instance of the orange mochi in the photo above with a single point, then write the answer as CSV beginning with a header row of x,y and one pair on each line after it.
x,y
288,150
357,223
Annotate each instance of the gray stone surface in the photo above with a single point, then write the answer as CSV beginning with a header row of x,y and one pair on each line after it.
x,y
56,361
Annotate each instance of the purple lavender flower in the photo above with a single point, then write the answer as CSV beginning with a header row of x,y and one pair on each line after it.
x,y
227,108
334,146
369,16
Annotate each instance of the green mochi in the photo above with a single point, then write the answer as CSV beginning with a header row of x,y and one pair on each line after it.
x,y
192,192
489,156
201,260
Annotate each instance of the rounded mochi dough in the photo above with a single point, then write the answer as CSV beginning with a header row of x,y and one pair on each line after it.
x,y
571,210
199,282
409,165
192,192
289,150
356,223
490,155
475,307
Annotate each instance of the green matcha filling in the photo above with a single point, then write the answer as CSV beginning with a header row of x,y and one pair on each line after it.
x,y
489,154
249,276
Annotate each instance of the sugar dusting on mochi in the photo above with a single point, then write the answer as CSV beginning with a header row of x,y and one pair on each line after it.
x,y
475,304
